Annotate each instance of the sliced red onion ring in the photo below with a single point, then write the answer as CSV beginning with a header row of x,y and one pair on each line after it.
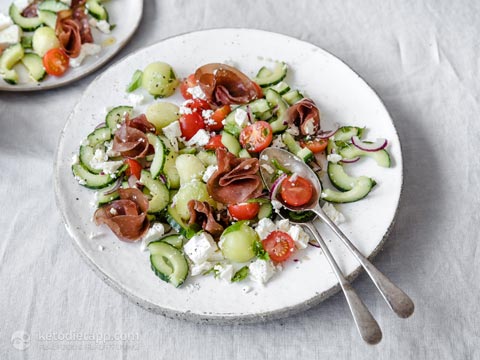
x,y
379,144
314,243
249,114
132,181
349,161
115,187
276,185
328,134
162,178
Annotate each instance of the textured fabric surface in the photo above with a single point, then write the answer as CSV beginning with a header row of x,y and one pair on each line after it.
x,y
422,58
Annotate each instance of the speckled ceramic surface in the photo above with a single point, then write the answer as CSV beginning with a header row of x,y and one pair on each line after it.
x,y
112,43
342,96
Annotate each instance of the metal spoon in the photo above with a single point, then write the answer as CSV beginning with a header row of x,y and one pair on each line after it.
x,y
398,301
366,324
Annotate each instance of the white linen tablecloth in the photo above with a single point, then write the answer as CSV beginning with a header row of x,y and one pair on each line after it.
x,y
423,59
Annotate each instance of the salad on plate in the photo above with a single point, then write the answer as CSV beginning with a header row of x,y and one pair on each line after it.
x,y
47,37
183,179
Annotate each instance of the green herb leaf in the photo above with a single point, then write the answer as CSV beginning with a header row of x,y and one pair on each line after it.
x,y
280,167
241,274
260,251
136,81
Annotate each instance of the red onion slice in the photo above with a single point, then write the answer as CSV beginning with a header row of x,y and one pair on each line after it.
x,y
349,161
379,144
115,187
276,185
314,243
132,181
330,133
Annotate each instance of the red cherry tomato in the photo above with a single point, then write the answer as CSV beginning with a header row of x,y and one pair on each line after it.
x,y
217,117
198,105
190,124
257,136
315,146
244,211
134,168
56,62
296,191
214,143
279,245
186,84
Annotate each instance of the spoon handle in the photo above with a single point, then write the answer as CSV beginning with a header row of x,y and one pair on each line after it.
x,y
398,301
366,324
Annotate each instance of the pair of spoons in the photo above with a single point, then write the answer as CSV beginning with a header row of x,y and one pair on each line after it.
x,y
397,300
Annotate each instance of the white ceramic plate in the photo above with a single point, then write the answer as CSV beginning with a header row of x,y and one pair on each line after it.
x,y
342,97
111,44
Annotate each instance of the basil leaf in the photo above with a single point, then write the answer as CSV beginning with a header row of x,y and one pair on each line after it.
x,y
241,274
136,81
260,251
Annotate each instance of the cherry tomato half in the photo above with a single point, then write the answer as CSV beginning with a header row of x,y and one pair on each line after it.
x,y
56,62
257,136
134,168
279,245
315,146
198,105
186,84
217,117
296,190
214,143
244,211
190,124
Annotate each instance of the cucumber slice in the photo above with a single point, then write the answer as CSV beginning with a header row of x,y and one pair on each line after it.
x,y
231,143
168,263
97,10
27,24
339,178
12,55
170,171
266,211
49,18
345,133
266,78
303,153
244,154
116,116
106,195
282,87
259,108
160,154
53,6
34,65
189,168
90,180
86,155
207,157
292,97
158,191
99,136
175,240
26,41
176,222
275,100
362,187
382,157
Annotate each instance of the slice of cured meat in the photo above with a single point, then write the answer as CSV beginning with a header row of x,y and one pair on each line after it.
x,y
202,213
305,115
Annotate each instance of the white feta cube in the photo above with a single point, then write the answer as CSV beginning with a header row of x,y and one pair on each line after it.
x,y
334,158
197,92
103,26
199,269
241,118
201,138
87,49
336,216
172,130
209,172
111,167
299,236
264,227
224,272
283,225
200,247
309,127
261,271
5,21
10,35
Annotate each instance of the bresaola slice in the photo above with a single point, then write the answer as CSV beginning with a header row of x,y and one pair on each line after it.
x,y
225,85
305,115
130,139
141,123
201,212
127,217
73,30
236,180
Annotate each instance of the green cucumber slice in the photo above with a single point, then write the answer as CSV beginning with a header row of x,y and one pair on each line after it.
x,y
160,154
177,223
97,10
105,195
292,97
175,240
34,65
158,191
275,100
282,87
49,18
170,171
27,24
266,77
303,153
266,211
52,6
11,55
90,180
382,157
168,263
362,187
231,143
117,115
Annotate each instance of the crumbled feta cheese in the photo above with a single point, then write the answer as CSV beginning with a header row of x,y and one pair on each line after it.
x,y
268,168
309,127
278,143
98,158
283,225
86,50
241,118
216,256
172,132
223,272
80,180
136,99
111,167
200,247
300,237
261,271
196,92
277,205
334,158
207,116
200,138
22,4
113,211
101,25
109,149
5,21
336,216
209,172
185,109
154,233
264,227
293,130
199,269
75,159
10,35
